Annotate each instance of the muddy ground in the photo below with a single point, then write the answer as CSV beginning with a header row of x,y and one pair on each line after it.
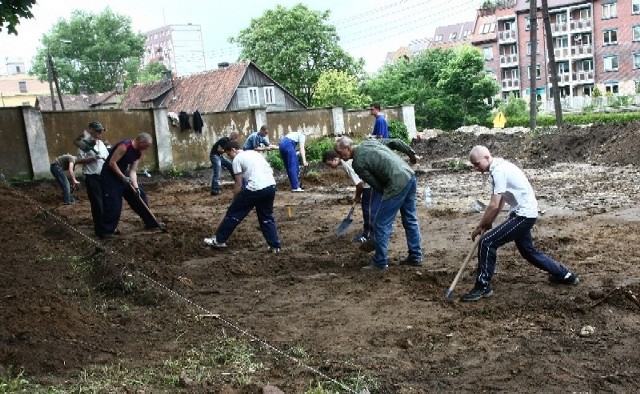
x,y
147,296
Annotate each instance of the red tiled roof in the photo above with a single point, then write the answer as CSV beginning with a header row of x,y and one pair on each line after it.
x,y
209,91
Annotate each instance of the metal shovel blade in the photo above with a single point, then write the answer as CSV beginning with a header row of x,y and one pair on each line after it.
x,y
346,222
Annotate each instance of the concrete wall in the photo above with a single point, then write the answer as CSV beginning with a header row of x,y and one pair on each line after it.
x,y
30,139
14,149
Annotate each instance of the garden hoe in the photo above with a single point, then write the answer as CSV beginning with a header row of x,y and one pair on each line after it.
x,y
346,222
161,226
461,270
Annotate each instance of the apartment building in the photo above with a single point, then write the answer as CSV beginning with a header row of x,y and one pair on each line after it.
x,y
179,47
595,43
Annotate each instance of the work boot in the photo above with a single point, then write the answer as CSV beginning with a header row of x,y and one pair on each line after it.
x,y
412,261
374,268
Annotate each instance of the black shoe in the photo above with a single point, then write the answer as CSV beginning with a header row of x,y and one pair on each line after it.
x,y
477,293
154,226
215,192
411,261
374,268
106,236
569,279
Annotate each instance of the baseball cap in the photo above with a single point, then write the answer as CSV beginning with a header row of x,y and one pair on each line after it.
x,y
97,126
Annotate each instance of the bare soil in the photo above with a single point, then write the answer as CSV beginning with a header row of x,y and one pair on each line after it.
x,y
147,298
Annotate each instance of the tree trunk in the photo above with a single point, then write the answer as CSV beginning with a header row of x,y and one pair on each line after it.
x,y
552,64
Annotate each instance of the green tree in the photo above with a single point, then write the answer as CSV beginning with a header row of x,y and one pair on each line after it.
x,y
153,72
448,87
465,82
340,89
11,11
295,46
97,51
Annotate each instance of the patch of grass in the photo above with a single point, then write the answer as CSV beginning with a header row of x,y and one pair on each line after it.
x,y
12,383
358,382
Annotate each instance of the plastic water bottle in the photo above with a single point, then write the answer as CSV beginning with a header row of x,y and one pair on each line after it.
x,y
428,200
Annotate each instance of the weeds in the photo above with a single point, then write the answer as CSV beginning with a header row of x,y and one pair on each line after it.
x,y
10,384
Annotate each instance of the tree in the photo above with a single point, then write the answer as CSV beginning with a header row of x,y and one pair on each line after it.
x,y
96,51
340,89
153,72
11,11
448,87
295,46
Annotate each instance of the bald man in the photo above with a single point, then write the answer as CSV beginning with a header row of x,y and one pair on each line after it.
x,y
510,186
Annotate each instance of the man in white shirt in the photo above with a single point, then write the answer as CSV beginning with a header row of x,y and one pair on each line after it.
x,y
255,187
92,153
512,187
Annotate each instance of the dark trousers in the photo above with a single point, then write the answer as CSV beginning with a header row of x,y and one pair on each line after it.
x,y
94,192
113,191
217,163
371,200
262,201
518,230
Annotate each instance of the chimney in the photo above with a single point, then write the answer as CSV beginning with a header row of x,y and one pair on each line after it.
x,y
223,64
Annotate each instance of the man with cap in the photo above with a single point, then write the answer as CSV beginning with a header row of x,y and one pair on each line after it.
x,y
92,160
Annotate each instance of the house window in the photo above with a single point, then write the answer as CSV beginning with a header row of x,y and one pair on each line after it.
x,y
529,48
253,96
610,37
509,26
439,37
585,13
636,33
609,11
527,22
587,90
611,63
636,60
23,86
465,34
18,70
587,65
485,28
611,87
488,53
562,42
561,18
635,6
537,71
269,95
453,36
492,28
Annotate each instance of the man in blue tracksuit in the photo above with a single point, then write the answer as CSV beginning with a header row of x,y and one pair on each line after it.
x,y
380,129
287,147
119,180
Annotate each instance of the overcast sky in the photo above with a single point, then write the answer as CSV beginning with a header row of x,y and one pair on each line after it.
x,y
367,28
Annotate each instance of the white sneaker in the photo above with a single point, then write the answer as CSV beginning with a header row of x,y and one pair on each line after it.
x,y
274,250
297,190
212,242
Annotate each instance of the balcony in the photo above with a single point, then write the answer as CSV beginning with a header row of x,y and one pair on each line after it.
x,y
510,84
506,36
562,53
583,76
564,78
582,51
509,60
558,28
580,25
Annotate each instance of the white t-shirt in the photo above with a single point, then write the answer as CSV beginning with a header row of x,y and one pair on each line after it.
x,y
95,167
348,168
510,181
255,170
296,137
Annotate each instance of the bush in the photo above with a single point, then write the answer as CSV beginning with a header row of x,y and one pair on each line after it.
x,y
315,149
275,160
398,130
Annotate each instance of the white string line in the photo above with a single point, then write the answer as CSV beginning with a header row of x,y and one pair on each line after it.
x,y
186,300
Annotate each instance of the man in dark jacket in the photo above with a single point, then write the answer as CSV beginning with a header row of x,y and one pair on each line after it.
x,y
376,164
218,161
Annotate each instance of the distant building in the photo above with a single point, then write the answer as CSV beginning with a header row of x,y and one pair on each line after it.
x,y
75,102
231,87
17,90
14,65
178,47
452,35
595,43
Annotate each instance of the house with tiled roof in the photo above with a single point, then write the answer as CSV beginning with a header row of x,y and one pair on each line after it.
x,y
236,86
75,102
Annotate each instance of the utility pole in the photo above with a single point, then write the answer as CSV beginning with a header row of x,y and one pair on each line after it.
x,y
533,39
55,80
50,77
553,69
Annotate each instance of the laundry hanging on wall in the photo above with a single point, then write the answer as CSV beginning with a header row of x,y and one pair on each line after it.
x,y
184,121
197,122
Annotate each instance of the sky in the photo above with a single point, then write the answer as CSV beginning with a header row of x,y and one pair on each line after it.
x,y
368,29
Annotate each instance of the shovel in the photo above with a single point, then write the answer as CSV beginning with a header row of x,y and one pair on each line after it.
x,y
346,222
161,226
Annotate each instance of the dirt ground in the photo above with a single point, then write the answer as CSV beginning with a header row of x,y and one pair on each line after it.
x,y
149,294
